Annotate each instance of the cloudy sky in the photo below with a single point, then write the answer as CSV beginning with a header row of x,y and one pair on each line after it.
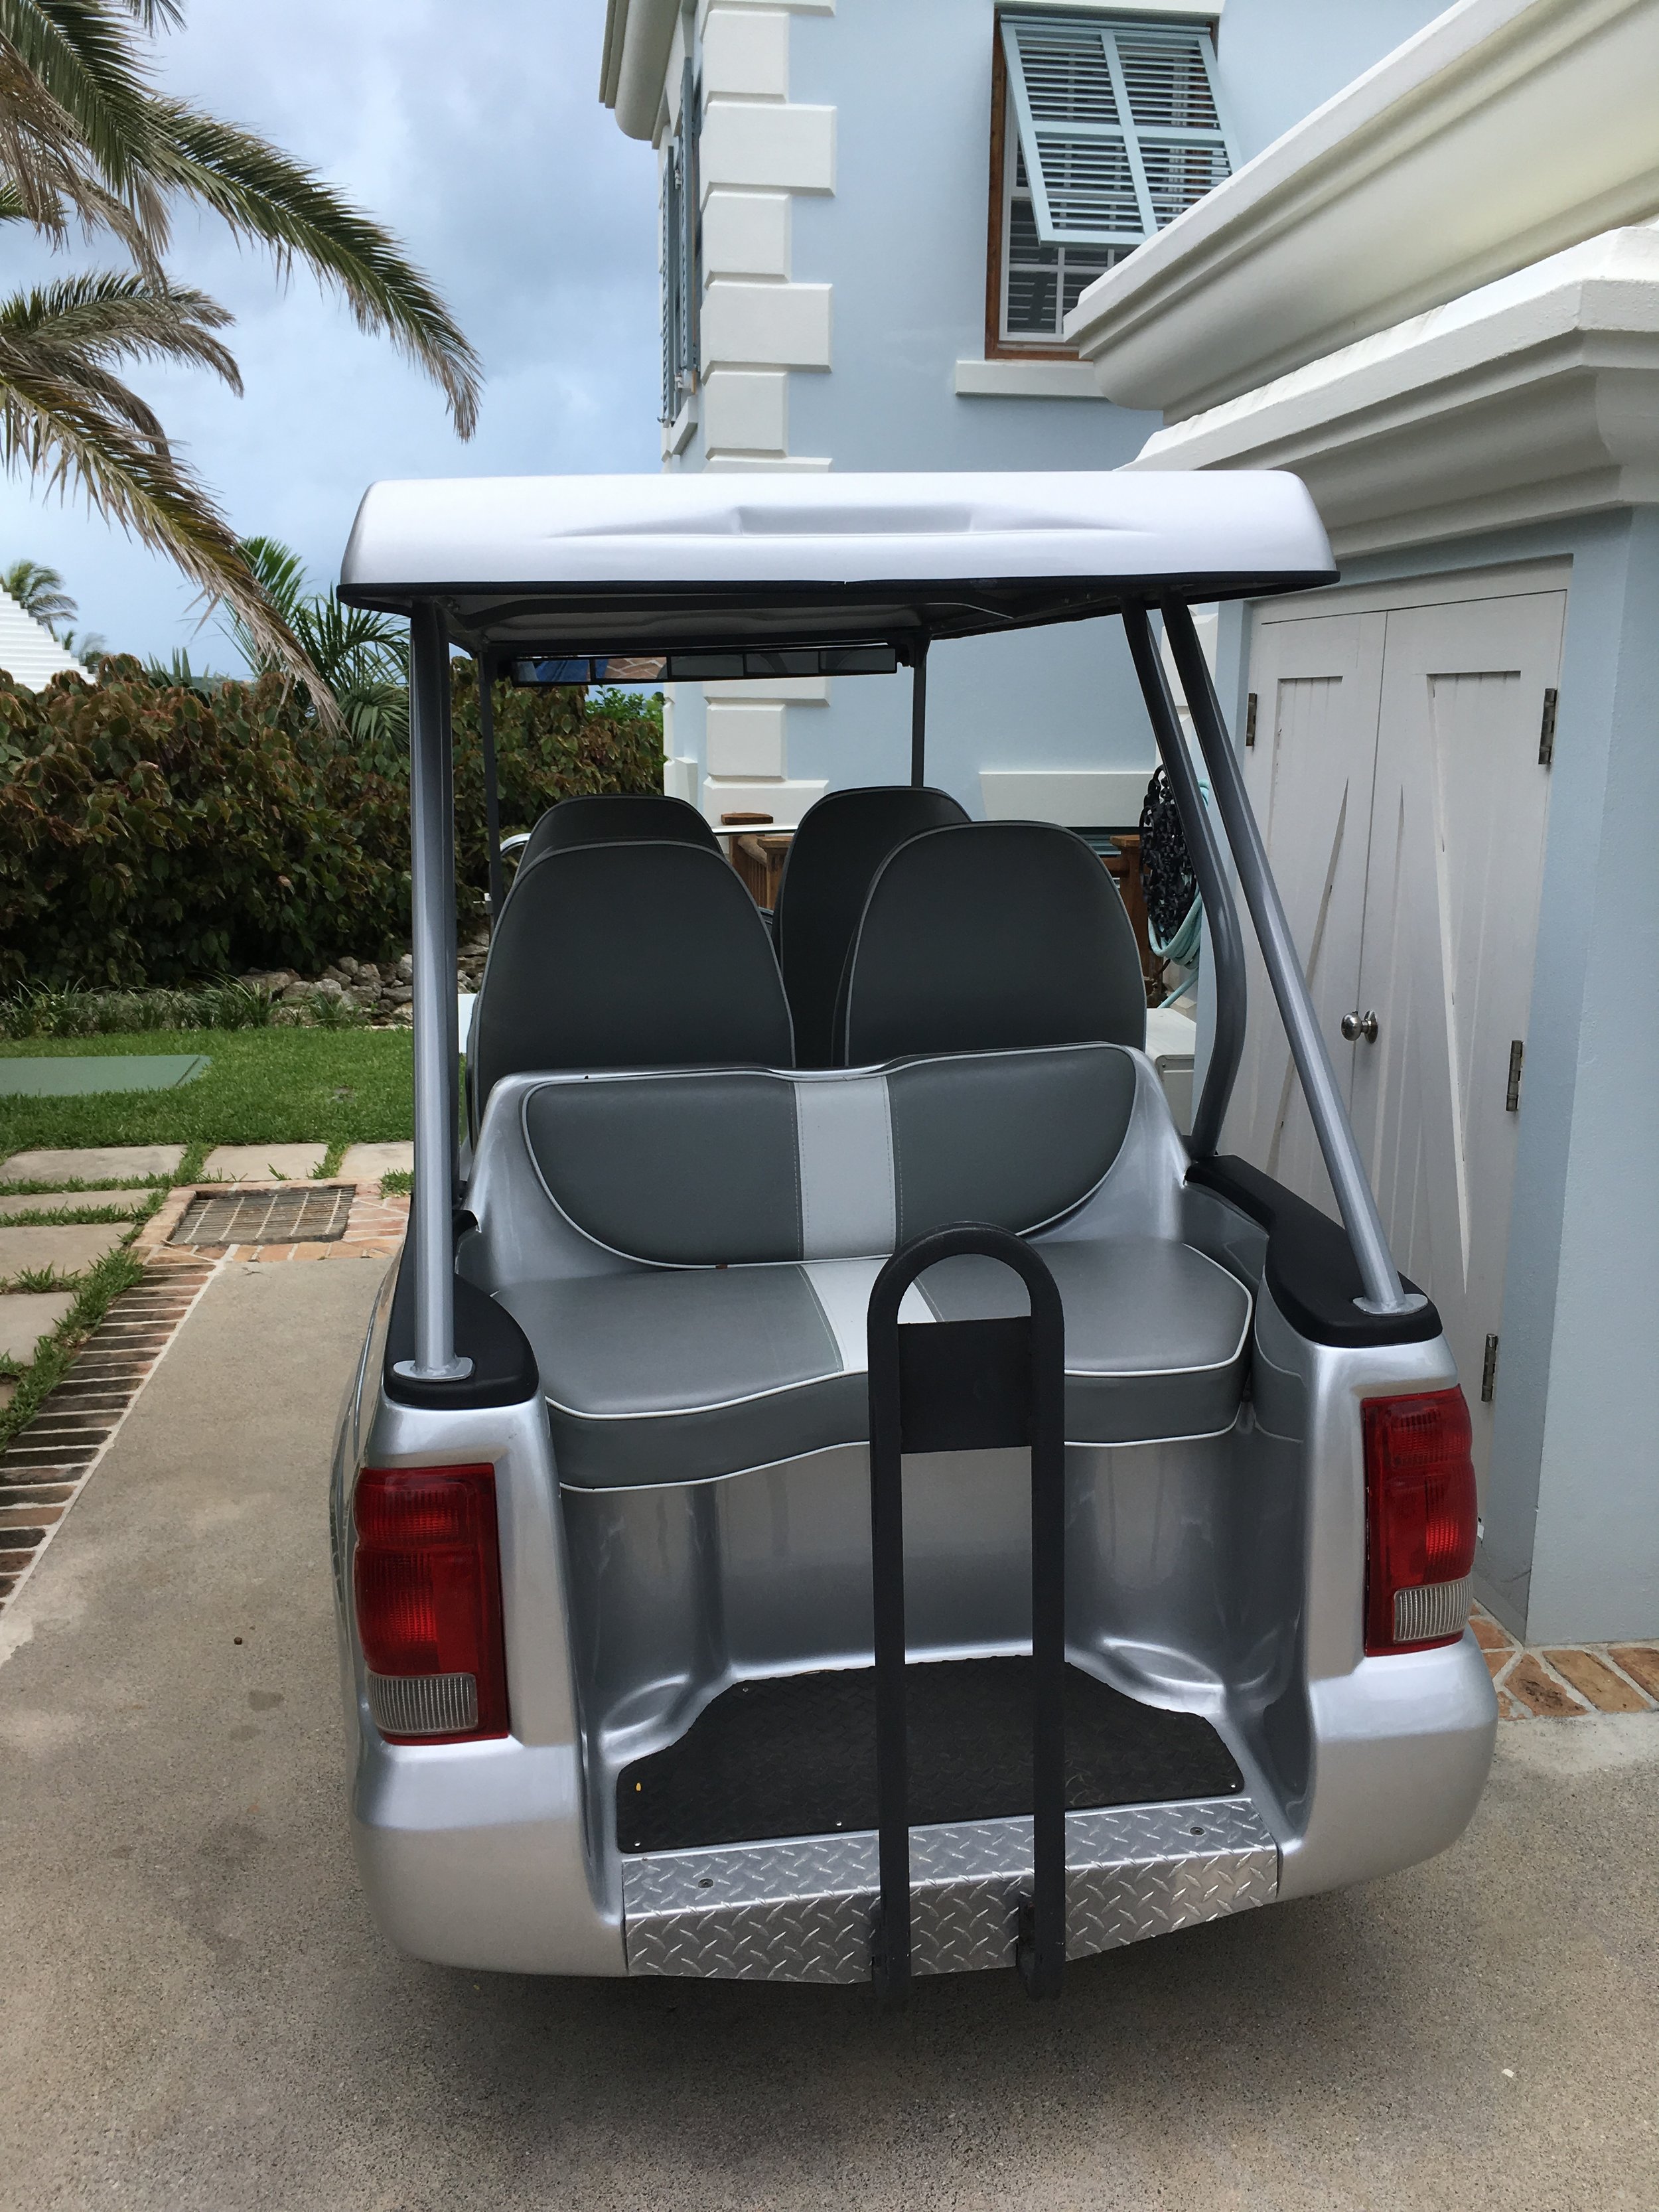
x,y
475,134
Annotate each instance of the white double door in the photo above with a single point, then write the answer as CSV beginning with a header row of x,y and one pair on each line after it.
x,y
1396,773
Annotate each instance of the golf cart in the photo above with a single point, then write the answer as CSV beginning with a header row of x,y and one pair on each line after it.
x,y
839,1488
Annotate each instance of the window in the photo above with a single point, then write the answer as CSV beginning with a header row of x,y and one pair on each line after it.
x,y
1104,128
680,277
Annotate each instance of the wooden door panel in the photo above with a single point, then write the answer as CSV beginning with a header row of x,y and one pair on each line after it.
x,y
1317,682
1451,923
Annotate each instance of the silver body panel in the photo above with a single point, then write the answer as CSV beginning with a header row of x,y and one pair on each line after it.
x,y
800,1911
1220,1575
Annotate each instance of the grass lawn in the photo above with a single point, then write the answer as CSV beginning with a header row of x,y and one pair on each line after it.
x,y
275,1086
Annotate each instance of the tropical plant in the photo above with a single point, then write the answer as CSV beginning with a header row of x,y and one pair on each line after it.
x,y
89,140
38,591
87,645
362,658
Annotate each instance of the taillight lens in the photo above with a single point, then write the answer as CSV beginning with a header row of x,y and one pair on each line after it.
x,y
427,1577
1420,1521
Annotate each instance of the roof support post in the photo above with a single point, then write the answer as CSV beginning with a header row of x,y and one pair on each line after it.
x,y
919,711
1231,993
1383,1292
432,827
492,787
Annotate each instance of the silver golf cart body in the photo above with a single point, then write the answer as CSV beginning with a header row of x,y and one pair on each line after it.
x,y
637,1289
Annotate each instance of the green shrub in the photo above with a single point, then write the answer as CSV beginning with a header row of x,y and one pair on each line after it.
x,y
152,832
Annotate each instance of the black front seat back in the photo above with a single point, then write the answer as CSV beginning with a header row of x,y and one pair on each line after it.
x,y
609,817
635,955
990,937
832,862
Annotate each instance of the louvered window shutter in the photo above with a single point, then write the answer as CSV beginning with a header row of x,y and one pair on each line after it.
x,y
671,257
680,276
1119,129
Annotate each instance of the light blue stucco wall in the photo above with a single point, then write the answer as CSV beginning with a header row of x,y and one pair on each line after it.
x,y
1570,1550
902,241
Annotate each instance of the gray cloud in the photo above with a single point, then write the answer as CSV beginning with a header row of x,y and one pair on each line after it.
x,y
476,135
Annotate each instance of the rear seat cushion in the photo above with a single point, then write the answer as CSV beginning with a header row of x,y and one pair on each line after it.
x,y
670,1376
1156,1334
746,1165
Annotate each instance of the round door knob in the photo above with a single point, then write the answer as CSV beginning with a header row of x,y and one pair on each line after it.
x,y
1356,1025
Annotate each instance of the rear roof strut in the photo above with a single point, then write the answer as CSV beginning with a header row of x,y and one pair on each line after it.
x,y
1383,1293
437,1041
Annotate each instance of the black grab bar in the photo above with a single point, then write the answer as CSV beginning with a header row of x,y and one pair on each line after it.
x,y
970,1386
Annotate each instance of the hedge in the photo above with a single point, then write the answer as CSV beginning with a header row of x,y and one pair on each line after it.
x,y
150,834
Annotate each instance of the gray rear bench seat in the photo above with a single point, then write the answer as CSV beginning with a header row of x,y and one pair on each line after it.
x,y
754,1209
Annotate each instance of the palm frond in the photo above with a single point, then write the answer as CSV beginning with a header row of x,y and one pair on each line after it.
x,y
262,194
157,15
83,56
47,175
103,315
280,574
48,427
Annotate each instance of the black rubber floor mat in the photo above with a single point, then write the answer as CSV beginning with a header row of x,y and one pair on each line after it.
x,y
795,1755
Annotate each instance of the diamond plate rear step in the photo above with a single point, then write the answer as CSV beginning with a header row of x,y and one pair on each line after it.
x,y
799,1910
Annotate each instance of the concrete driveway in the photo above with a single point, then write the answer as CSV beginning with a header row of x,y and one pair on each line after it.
x,y
195,2010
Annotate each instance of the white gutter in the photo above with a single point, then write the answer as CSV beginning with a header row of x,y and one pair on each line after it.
x,y
638,35
1506,131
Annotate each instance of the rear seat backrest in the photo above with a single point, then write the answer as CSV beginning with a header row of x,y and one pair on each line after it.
x,y
609,818
988,936
635,955
744,1165
827,874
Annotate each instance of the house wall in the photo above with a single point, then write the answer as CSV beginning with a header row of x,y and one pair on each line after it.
x,y
845,162
1570,1548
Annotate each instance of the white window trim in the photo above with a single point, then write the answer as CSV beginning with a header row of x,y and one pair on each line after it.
x,y
1026,380
1189,11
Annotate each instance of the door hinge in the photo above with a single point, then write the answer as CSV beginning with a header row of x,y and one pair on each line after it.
x,y
1249,720
1489,1371
1546,731
1512,1096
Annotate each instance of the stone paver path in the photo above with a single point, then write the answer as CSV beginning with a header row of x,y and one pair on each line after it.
x,y
100,1164
367,1162
28,1315
69,1249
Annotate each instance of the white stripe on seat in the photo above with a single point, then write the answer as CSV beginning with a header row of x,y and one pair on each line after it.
x,y
845,1138
842,1288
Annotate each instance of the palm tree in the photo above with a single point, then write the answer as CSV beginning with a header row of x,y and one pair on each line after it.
x,y
88,142
39,592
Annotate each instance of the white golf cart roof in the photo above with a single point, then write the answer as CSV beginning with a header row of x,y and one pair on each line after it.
x,y
612,563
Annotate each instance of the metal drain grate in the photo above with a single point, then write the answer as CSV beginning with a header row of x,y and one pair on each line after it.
x,y
267,1217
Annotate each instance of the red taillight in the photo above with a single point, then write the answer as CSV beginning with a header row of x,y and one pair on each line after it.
x,y
427,1577
1420,1521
